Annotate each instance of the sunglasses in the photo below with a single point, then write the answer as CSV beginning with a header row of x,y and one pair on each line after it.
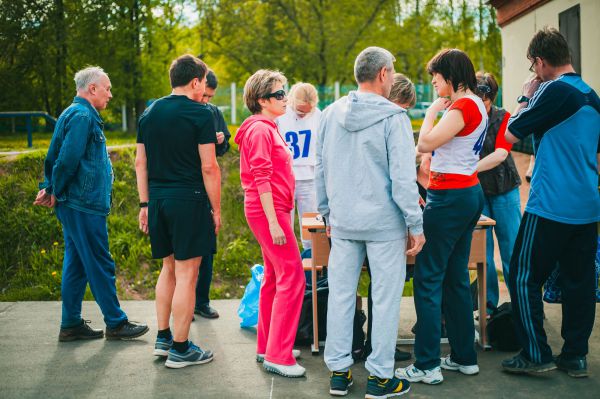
x,y
484,89
279,95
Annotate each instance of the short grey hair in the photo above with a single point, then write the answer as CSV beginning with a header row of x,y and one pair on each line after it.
x,y
370,61
87,76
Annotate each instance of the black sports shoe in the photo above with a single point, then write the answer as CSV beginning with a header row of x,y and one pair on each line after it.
x,y
519,364
82,331
380,388
206,311
575,366
127,330
339,382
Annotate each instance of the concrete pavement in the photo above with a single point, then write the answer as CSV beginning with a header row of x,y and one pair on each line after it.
x,y
35,365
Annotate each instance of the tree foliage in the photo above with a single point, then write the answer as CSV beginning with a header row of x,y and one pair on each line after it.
x,y
43,42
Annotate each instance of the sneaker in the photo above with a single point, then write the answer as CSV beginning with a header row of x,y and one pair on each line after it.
x,y
194,355
413,374
82,331
162,346
339,382
519,364
206,311
386,387
448,364
293,371
575,366
260,357
127,330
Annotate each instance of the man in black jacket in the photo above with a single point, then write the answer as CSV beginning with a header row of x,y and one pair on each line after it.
x,y
203,307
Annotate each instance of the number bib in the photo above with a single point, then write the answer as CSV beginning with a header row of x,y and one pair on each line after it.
x,y
300,134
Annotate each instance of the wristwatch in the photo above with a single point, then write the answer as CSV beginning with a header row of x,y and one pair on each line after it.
x,y
522,99
143,204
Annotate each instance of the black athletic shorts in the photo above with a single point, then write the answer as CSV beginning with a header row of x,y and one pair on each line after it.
x,y
184,228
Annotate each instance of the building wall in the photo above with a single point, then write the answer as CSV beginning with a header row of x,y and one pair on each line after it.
x,y
517,34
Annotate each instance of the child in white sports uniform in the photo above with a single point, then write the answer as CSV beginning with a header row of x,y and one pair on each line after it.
x,y
299,127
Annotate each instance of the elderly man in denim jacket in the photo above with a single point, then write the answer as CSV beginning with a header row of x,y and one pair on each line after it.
x,y
78,182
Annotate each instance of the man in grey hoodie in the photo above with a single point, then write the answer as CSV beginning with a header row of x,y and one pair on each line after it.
x,y
366,190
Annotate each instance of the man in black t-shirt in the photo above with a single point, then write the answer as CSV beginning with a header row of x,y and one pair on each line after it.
x,y
179,185
202,306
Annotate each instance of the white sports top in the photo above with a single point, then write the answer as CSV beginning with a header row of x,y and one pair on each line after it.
x,y
300,134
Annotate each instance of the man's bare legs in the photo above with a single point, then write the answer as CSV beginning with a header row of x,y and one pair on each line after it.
x,y
184,297
175,293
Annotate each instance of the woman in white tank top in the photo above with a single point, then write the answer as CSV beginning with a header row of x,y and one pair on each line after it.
x,y
453,206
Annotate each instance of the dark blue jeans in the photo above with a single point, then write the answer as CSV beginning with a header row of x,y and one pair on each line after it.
x,y
87,260
505,209
204,279
441,281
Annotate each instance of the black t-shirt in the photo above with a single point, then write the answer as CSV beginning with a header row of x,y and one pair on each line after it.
x,y
171,129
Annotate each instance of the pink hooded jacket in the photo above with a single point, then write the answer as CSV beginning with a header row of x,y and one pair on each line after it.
x,y
265,165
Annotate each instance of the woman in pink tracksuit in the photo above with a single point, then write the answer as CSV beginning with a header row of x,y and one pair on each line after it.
x,y
268,183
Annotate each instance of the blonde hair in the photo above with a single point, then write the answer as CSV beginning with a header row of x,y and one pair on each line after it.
x,y
403,91
259,85
302,93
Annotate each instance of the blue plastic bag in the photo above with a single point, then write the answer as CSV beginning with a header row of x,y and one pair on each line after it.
x,y
248,310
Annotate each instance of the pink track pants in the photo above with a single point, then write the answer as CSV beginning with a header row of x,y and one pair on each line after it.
x,y
281,292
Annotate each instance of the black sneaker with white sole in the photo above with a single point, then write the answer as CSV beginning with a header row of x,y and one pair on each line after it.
x,y
339,382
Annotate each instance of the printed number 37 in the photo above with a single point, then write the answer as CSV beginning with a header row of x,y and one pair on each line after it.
x,y
292,138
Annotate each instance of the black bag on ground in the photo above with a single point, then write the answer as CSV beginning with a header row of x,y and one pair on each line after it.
x,y
501,329
304,335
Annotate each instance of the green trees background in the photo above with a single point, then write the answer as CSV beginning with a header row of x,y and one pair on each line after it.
x,y
43,42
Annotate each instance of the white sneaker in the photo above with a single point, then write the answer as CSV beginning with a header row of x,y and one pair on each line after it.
x,y
260,357
292,371
448,364
413,374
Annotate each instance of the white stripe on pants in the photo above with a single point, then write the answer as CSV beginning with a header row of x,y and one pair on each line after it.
x,y
306,200
387,261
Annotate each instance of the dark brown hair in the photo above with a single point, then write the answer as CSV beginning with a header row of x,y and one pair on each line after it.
x,y
487,87
186,68
455,66
551,46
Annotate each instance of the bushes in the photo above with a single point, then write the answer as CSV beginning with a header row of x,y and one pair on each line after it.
x,y
31,244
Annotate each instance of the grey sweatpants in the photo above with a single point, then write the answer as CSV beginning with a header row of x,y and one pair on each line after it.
x,y
387,261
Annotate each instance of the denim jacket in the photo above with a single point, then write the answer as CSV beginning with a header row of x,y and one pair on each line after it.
x,y
77,169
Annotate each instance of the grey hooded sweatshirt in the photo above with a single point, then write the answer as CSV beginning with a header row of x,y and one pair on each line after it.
x,y
365,173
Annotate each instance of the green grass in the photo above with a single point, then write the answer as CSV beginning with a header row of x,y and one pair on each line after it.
x,y
41,140
32,247
31,244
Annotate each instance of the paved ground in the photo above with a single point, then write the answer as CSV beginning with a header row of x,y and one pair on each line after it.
x,y
35,365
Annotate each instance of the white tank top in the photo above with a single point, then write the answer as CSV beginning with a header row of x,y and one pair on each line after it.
x,y
461,154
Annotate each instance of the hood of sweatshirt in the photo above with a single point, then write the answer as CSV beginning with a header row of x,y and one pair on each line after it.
x,y
249,123
362,110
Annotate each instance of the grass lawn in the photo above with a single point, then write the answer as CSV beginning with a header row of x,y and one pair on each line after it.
x,y
31,240
41,140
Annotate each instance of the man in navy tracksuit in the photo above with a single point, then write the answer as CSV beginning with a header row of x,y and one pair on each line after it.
x,y
559,223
